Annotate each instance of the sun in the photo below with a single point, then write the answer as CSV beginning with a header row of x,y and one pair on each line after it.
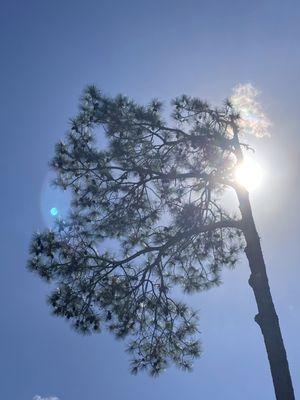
x,y
249,174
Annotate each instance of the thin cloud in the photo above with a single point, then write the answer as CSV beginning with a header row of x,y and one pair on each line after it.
x,y
38,397
253,119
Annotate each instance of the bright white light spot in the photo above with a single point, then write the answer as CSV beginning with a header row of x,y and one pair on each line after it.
x,y
249,174
54,211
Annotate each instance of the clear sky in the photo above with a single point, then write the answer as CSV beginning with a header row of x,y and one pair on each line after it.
x,y
50,50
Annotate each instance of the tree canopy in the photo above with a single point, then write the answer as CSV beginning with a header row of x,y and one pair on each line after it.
x,y
146,218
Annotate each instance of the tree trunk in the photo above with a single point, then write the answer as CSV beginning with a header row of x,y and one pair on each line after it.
x,y
266,318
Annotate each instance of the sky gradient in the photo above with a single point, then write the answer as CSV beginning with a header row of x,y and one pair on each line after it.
x,y
50,50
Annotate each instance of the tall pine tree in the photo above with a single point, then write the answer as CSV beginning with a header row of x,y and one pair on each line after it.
x,y
152,192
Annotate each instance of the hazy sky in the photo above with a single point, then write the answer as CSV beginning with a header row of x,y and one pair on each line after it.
x,y
50,50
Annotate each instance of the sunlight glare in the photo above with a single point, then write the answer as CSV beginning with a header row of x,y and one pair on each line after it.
x,y
249,174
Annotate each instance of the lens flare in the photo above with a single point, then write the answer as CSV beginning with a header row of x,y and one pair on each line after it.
x,y
54,202
54,211
253,120
249,174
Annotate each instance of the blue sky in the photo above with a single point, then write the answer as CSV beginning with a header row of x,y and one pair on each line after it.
x,y
50,50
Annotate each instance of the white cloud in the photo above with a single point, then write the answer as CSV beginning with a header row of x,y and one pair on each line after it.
x,y
38,397
253,119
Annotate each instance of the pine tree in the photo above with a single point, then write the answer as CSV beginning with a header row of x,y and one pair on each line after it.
x,y
153,193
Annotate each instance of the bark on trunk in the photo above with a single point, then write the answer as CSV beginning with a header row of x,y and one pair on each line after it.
x,y
266,318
